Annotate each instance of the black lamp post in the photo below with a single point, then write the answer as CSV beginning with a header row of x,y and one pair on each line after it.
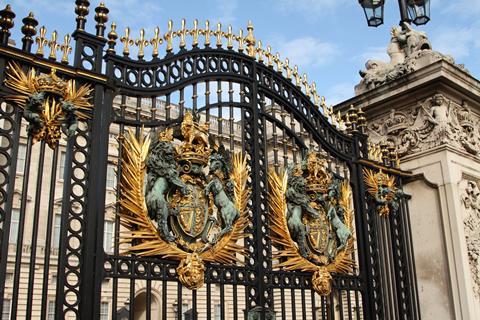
x,y
416,11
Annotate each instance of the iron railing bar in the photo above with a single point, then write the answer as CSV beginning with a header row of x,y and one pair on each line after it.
x,y
36,218
48,236
21,227
10,193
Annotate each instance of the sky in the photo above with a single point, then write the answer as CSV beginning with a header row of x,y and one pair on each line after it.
x,y
328,39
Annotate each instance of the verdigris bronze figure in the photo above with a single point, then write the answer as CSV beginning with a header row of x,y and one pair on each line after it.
x,y
221,187
297,204
162,176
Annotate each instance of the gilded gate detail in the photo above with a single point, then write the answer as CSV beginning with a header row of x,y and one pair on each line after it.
x,y
193,174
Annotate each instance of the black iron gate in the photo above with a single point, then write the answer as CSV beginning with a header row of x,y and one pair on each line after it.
x,y
61,254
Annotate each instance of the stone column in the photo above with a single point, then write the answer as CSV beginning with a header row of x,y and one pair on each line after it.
x,y
429,108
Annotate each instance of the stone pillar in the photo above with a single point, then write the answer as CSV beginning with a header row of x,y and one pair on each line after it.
x,y
430,110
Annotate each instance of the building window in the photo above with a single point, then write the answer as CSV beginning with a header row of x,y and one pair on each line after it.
x,y
14,224
185,311
7,305
57,224
53,279
22,155
51,310
104,311
111,177
108,237
9,277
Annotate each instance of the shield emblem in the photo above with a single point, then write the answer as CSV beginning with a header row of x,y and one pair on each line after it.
x,y
192,213
321,239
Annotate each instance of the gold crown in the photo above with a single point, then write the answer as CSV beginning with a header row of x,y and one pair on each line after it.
x,y
195,147
50,83
318,178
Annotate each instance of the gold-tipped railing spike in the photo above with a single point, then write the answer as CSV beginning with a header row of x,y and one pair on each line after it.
x,y
54,46
112,38
241,41
207,33
323,104
288,70
168,37
127,42
229,35
141,43
298,79
41,41
182,33
219,35
306,86
155,42
194,33
269,56
278,63
66,48
316,97
260,51
250,40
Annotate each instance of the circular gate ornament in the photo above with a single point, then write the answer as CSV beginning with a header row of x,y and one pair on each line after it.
x,y
311,221
184,200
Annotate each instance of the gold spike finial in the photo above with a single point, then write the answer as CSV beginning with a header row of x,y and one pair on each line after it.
x,y
207,33
306,86
260,51
194,33
229,35
141,43
219,35
168,37
250,40
41,41
286,65
127,42
241,41
54,46
155,42
183,34
298,79
269,56
278,62
66,48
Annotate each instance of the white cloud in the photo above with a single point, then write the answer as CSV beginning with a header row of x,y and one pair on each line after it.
x,y
225,11
457,42
308,52
339,92
459,8
372,53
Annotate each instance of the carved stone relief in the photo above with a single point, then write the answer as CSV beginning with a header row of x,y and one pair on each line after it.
x,y
432,122
471,203
409,50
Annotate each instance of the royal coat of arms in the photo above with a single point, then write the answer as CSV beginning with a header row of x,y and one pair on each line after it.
x,y
382,189
312,221
183,198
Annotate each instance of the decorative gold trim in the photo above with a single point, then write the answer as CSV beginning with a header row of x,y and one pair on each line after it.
x,y
40,62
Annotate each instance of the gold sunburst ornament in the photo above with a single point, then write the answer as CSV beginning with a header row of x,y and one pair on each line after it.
x,y
311,221
382,188
172,209
50,104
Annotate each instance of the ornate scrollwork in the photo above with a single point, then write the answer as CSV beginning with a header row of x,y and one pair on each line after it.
x,y
183,212
50,104
382,188
312,221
